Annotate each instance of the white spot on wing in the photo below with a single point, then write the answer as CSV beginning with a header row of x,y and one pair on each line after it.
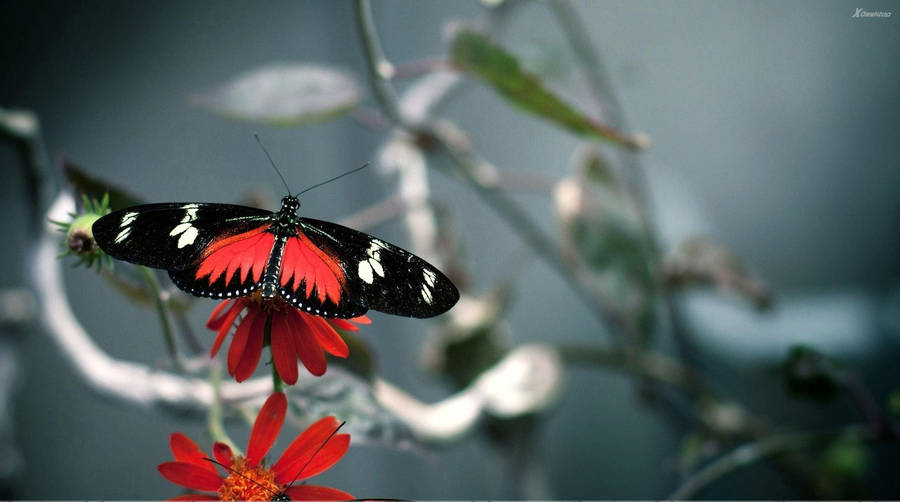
x,y
426,295
376,266
123,235
181,227
188,237
429,277
365,272
128,219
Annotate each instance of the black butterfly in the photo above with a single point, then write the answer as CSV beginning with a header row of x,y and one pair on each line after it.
x,y
226,251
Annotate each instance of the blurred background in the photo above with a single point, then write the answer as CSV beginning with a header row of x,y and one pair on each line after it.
x,y
774,130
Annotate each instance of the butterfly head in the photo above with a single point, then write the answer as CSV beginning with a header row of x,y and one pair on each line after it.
x,y
290,204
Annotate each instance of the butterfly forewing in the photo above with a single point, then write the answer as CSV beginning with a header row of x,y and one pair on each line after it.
x,y
226,251
384,277
172,235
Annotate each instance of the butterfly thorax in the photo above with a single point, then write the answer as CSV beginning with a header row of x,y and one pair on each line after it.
x,y
284,227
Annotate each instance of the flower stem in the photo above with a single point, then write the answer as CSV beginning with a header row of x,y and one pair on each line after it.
x,y
163,314
215,424
277,382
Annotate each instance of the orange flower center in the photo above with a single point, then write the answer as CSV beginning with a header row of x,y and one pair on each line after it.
x,y
246,483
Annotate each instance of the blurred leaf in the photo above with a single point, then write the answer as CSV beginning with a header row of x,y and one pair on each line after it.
x,y
285,94
809,374
893,403
602,238
476,54
698,261
96,188
841,468
472,340
349,398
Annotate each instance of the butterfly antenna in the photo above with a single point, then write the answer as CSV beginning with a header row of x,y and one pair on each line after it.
x,y
321,445
255,135
229,469
335,178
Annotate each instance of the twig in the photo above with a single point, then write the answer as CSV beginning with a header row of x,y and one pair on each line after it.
x,y
756,451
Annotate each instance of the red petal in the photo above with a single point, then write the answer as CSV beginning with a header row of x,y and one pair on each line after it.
x,y
265,429
190,476
252,351
327,337
304,446
215,320
195,496
283,352
363,319
223,454
343,324
330,454
239,341
310,492
225,328
308,349
185,450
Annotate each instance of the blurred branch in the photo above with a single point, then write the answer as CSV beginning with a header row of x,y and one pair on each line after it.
x,y
610,110
379,68
756,451
649,365
477,172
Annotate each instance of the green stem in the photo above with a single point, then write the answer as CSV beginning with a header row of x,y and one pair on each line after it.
x,y
756,451
215,423
277,382
163,314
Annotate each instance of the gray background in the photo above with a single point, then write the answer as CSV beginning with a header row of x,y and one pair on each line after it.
x,y
775,129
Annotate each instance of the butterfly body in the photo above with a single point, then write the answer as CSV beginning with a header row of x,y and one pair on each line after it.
x,y
226,251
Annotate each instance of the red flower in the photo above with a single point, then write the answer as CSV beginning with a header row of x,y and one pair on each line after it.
x,y
248,478
294,334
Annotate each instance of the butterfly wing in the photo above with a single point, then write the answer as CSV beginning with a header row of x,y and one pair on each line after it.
x,y
172,236
371,273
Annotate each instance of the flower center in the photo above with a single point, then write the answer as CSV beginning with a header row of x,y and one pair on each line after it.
x,y
246,483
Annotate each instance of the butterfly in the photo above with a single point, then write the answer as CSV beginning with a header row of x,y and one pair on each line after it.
x,y
226,251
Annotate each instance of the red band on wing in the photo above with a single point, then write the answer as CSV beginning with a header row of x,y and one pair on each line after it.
x,y
241,252
304,261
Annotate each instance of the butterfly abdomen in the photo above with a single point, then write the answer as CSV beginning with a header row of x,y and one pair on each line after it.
x,y
273,268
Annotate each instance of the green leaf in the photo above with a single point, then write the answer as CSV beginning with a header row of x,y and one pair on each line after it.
x,y
350,398
285,94
474,53
98,189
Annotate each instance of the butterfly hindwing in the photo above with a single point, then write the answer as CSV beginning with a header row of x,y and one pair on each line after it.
x,y
171,235
381,276
314,278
